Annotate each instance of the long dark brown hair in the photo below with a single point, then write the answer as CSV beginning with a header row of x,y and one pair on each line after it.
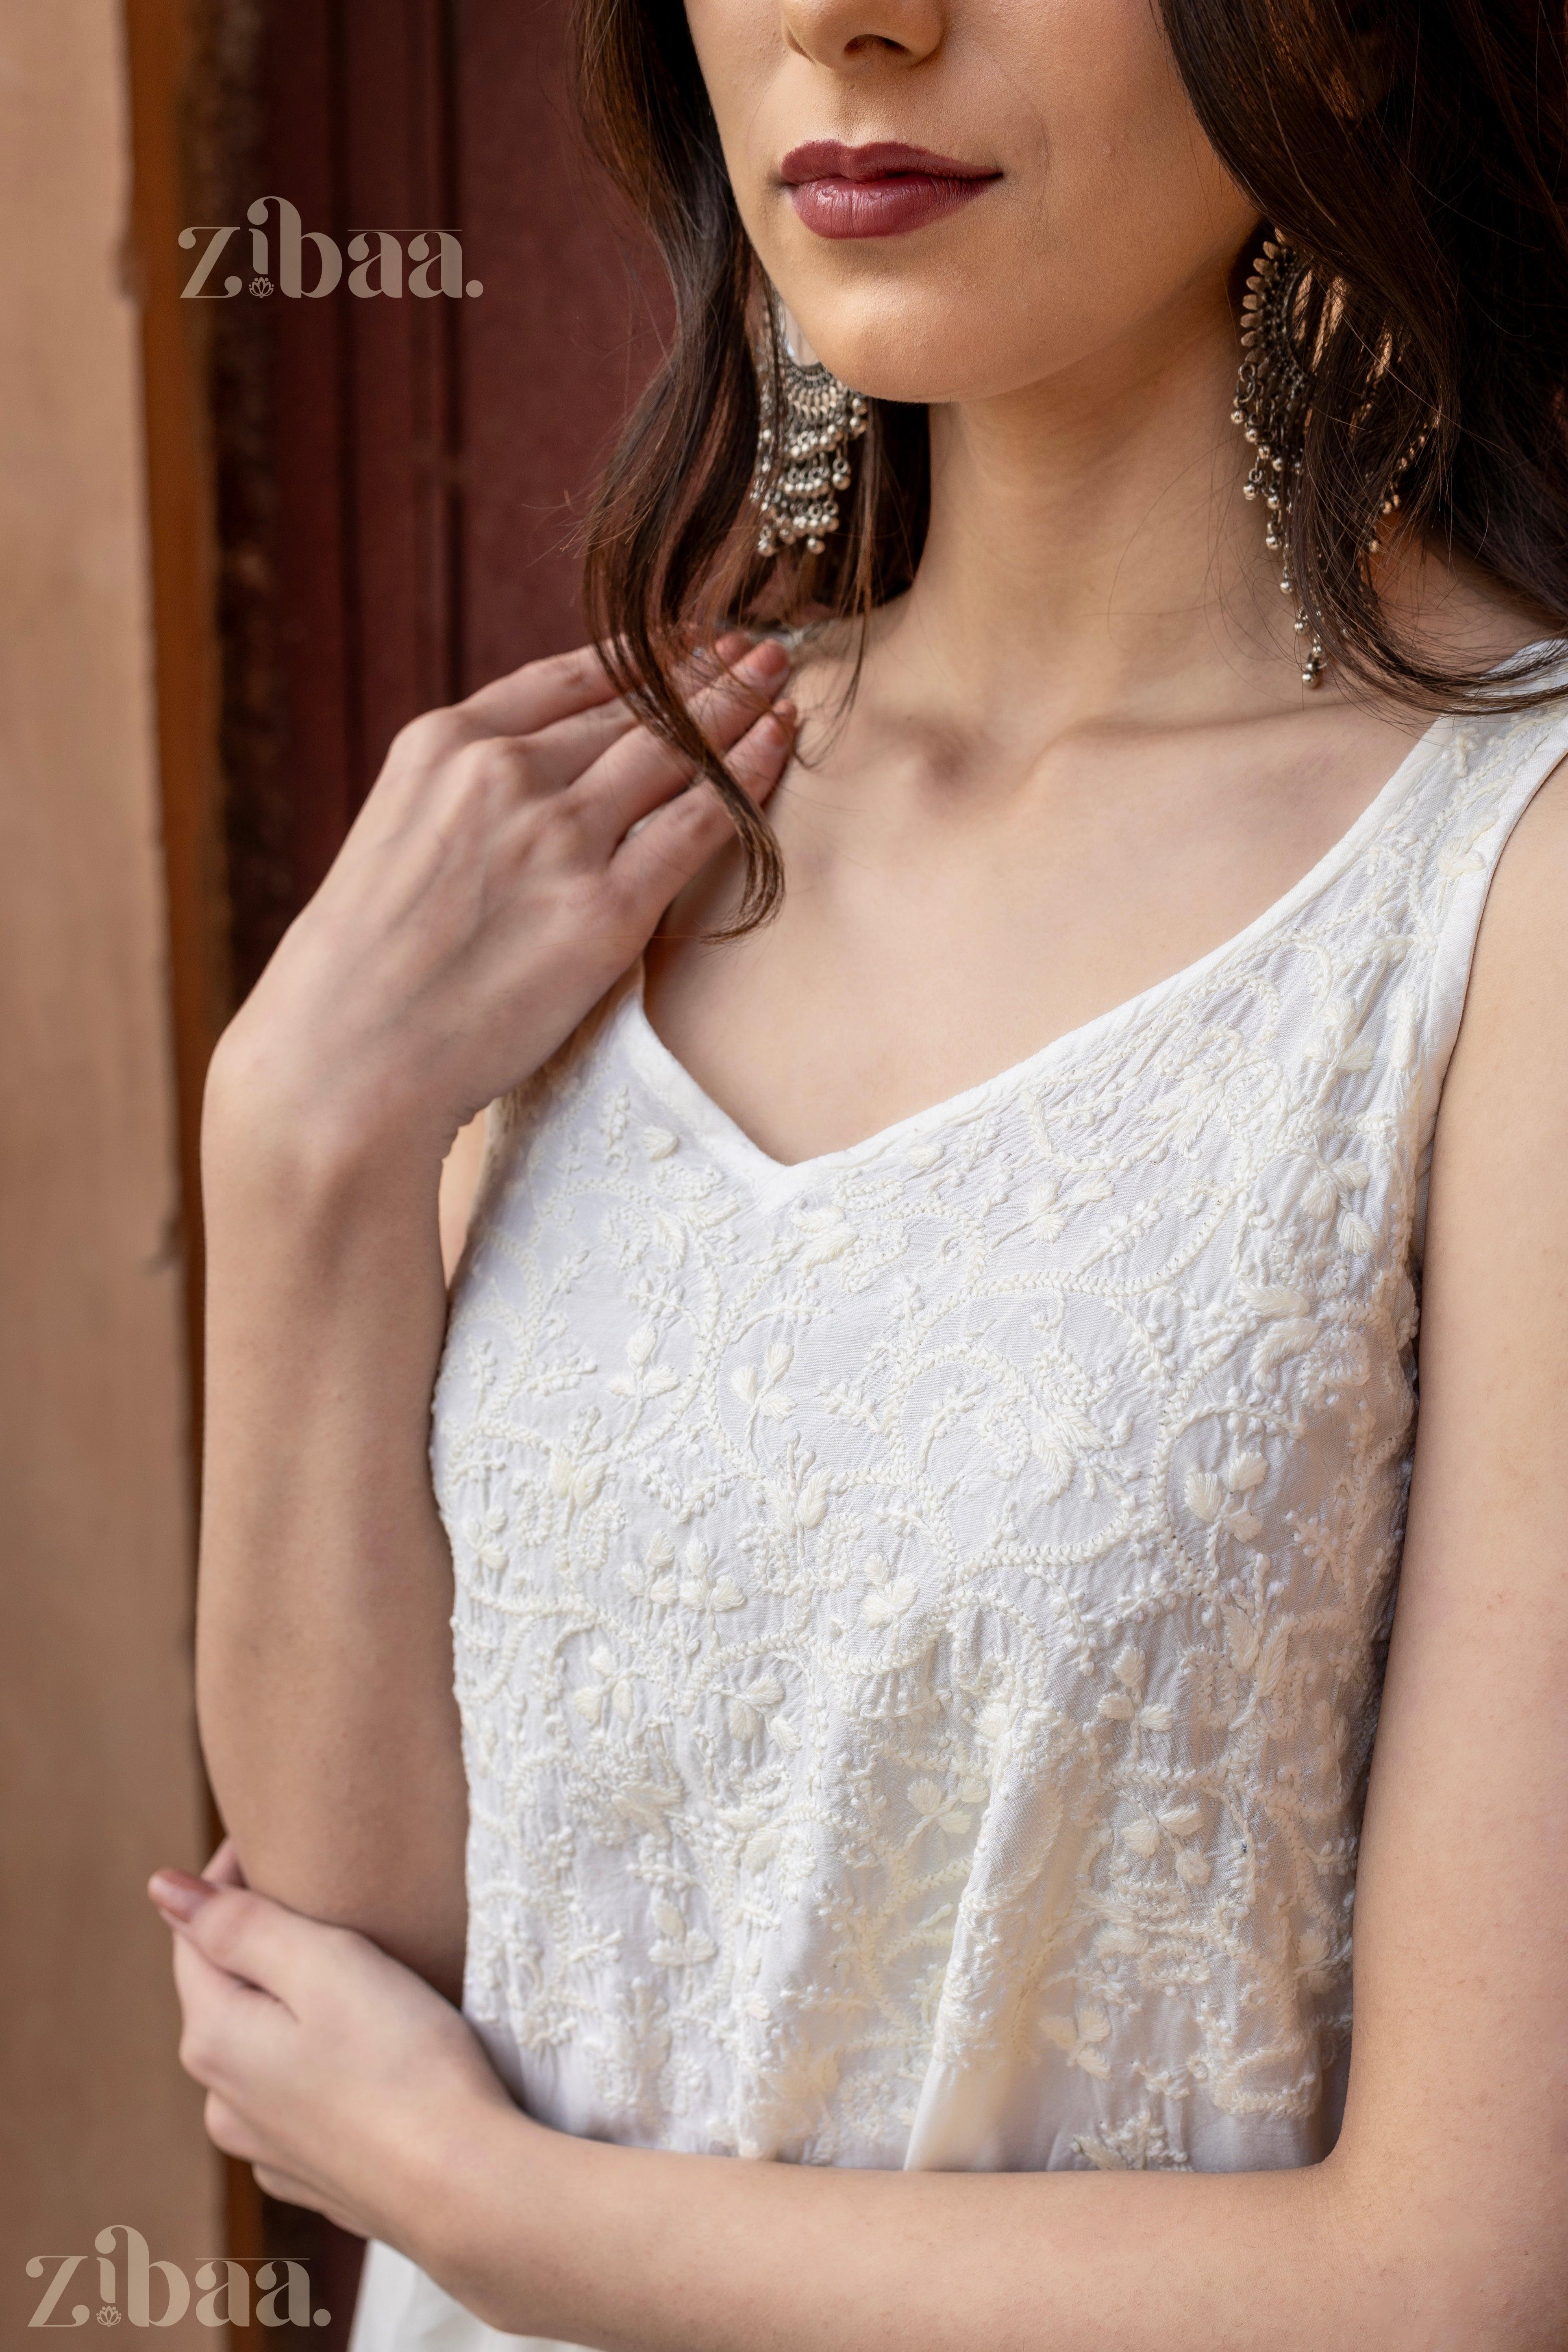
x,y
1415,151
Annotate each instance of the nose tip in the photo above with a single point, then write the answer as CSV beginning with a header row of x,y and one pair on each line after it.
x,y
849,34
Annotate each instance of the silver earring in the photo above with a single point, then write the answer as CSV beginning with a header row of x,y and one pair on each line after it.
x,y
1273,391
803,460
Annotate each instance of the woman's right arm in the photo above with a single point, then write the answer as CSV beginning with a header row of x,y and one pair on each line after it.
x,y
512,861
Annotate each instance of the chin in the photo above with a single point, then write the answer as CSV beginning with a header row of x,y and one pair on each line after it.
x,y
935,375
926,354
923,332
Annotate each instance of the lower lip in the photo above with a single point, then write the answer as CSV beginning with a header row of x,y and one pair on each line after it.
x,y
889,207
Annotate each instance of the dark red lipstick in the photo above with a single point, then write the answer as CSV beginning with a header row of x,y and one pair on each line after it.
x,y
883,189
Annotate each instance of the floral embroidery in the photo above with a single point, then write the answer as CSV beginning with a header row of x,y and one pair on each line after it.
x,y
920,1617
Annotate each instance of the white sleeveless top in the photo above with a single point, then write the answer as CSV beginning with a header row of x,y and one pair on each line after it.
x,y
920,1613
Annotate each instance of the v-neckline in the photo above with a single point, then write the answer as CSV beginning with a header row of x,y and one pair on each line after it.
x,y
710,1122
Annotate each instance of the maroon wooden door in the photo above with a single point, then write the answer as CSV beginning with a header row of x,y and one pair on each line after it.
x,y
400,478
426,460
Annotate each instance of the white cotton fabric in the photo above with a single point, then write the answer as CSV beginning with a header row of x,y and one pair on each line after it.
x,y
920,1613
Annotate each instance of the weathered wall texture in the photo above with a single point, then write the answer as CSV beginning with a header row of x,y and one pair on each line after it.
x,y
98,1761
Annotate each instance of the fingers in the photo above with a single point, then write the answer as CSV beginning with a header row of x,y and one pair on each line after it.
x,y
220,2011
225,2026
242,1934
224,1869
639,772
559,754
574,685
542,692
680,837
562,753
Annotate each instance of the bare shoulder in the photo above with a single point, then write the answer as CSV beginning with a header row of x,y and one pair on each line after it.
x,y
1461,1911
1501,1137
1517,1001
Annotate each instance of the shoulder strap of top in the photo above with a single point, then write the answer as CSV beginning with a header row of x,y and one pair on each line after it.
x,y
1453,830
1466,810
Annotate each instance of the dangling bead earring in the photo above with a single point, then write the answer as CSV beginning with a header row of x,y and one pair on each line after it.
x,y
803,461
1273,393
1272,389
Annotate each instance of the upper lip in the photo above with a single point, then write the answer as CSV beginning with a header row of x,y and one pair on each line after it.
x,y
881,159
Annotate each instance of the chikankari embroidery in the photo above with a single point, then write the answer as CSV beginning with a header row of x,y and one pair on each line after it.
x,y
920,1615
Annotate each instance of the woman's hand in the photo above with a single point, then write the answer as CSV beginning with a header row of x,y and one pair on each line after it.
x,y
333,2071
509,863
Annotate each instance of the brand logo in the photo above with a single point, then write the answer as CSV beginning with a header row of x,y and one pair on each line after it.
x,y
226,2296
432,264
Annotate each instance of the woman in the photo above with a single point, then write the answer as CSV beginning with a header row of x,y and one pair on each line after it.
x,y
925,1431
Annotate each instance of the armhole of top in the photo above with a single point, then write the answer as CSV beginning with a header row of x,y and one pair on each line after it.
x,y
470,1170
1452,982
485,1148
462,1182
1448,983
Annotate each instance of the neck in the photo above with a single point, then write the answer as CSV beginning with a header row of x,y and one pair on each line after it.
x,y
1089,549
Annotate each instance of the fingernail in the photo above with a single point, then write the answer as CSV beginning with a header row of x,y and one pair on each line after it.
x,y
776,730
767,660
177,1891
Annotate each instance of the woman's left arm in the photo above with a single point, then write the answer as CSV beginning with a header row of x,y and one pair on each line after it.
x,y
1441,2218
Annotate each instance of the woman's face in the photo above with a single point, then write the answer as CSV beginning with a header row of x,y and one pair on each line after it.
x,y
1065,198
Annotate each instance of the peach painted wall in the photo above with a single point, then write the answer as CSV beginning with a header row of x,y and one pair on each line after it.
x,y
99,1776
